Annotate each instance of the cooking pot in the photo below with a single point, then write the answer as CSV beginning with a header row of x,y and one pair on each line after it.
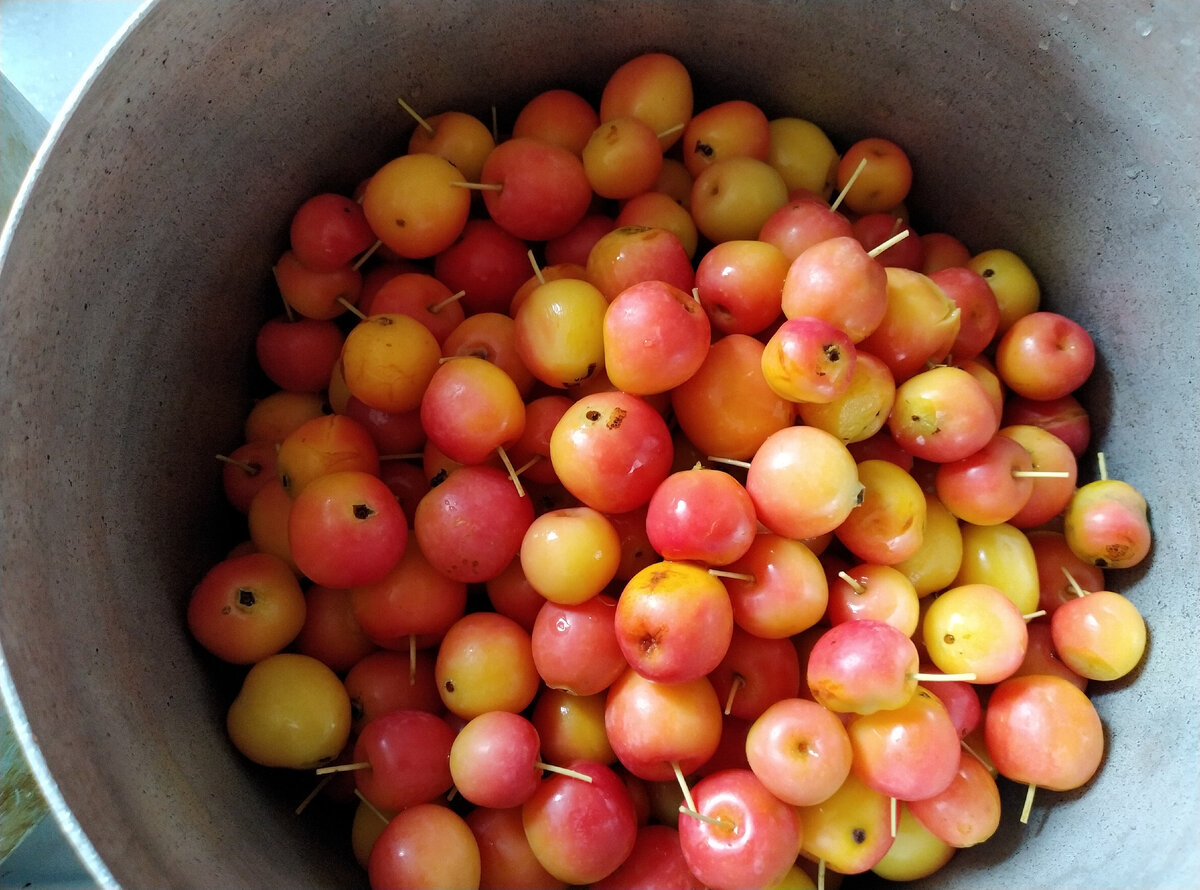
x,y
137,267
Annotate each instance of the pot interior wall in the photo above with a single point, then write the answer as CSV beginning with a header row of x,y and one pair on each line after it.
x,y
140,267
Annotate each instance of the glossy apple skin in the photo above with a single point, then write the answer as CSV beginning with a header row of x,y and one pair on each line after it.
x,y
755,845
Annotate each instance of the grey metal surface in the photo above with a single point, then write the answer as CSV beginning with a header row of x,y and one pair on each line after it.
x,y
131,284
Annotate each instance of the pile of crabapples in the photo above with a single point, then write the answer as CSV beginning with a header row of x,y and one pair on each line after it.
x,y
640,501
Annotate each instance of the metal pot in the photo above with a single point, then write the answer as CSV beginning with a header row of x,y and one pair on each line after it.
x,y
137,263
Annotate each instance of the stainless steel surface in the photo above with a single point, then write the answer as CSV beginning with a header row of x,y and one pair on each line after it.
x,y
131,286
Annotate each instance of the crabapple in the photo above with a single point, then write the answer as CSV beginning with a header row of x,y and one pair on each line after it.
x,y
328,231
558,809
942,415
630,255
415,206
803,482
778,588
470,526
800,750
919,324
346,528
543,189
884,180
975,628
1000,555
701,515
1011,280
803,222
734,197
748,838
561,631
1042,730
1045,355
292,711
426,845
485,663
803,154
888,526
674,622
558,116
1100,636
653,87
462,139
656,210
656,728
470,408
731,129
729,384
656,336
611,450
246,608
1106,523
807,359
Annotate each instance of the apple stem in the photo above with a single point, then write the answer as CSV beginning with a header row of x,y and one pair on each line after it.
x,y
892,808
529,463
412,659
820,874
537,270
344,767
670,131
1040,474
247,468
972,752
696,295
354,310
437,307
1075,588
1038,614
287,307
738,682
478,186
367,254
1102,465
312,795
421,122
687,792
1028,804
849,182
855,585
472,353
884,245
370,806
563,771
737,576
744,464
942,678
512,474
711,820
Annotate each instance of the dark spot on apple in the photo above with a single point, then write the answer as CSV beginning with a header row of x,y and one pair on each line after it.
x,y
362,511
703,148
449,684
648,643
859,835
400,224
832,352
615,418
246,598
948,639
593,415
988,273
